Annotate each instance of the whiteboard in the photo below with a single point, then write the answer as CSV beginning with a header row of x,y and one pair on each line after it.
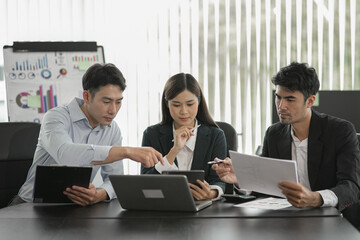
x,y
38,81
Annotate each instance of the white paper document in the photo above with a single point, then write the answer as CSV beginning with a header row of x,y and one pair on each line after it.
x,y
266,203
263,174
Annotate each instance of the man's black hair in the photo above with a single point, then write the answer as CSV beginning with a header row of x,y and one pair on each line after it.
x,y
298,77
99,75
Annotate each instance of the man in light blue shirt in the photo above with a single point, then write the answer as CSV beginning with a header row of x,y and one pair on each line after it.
x,y
84,131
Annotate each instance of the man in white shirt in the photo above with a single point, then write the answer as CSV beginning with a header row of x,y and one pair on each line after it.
x,y
325,148
82,133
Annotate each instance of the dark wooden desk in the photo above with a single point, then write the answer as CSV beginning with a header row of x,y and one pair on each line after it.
x,y
172,229
114,210
222,220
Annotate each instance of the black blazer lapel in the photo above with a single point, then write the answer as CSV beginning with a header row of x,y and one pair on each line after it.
x,y
315,148
166,139
201,148
283,143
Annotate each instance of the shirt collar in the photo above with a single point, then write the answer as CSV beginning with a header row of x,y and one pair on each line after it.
x,y
75,110
190,144
77,114
297,142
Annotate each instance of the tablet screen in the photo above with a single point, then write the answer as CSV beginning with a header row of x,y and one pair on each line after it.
x,y
51,181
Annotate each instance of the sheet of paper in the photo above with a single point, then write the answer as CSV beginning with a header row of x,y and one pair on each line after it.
x,y
263,174
266,203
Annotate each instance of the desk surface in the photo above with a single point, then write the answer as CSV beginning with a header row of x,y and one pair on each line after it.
x,y
110,221
113,210
199,228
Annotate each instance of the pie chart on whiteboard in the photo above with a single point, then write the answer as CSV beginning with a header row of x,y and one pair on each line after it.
x,y
21,99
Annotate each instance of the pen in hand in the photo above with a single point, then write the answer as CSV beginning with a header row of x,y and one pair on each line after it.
x,y
215,162
193,129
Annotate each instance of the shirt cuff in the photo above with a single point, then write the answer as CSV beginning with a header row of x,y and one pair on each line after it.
x,y
329,197
166,167
219,191
109,190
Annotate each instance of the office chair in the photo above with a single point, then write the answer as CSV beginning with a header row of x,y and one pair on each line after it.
x,y
17,147
259,150
230,135
232,144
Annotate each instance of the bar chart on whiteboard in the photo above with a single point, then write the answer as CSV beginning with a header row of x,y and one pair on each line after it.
x,y
39,81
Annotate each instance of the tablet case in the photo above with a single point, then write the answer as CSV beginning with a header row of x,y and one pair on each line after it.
x,y
192,175
51,181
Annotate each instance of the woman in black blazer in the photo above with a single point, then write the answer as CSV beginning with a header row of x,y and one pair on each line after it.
x,y
187,136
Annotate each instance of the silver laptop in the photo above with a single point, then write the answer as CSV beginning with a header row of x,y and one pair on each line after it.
x,y
155,192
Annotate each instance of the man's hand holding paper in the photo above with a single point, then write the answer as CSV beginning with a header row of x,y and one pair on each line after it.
x,y
263,174
300,196
269,176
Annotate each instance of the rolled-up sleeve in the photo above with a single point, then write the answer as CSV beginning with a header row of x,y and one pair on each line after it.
x,y
57,138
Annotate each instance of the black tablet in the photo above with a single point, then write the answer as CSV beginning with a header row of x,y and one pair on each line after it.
x,y
51,181
192,175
